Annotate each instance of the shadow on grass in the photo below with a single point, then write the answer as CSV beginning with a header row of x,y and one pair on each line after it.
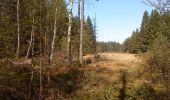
x,y
123,82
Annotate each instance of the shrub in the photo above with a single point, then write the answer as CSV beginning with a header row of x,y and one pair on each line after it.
x,y
143,92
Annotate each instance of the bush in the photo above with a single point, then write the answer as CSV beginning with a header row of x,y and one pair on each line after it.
x,y
143,92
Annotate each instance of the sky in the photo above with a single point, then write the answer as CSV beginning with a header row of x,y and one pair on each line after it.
x,y
116,19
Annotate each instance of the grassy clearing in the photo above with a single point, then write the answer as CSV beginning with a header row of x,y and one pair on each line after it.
x,y
117,76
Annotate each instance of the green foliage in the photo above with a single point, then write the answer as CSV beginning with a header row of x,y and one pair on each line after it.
x,y
159,60
43,13
88,37
15,82
143,92
141,40
153,39
109,47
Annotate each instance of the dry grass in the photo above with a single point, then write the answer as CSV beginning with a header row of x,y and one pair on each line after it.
x,y
117,61
111,68
89,82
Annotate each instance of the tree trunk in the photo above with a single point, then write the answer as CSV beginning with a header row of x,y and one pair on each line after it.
x,y
81,34
32,50
40,92
78,35
94,41
18,29
28,51
69,34
29,47
45,35
54,36
32,62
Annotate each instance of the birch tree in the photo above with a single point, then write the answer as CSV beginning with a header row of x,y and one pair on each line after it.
x,y
69,34
54,36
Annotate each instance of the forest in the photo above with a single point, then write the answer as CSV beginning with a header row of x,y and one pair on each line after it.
x,y
48,53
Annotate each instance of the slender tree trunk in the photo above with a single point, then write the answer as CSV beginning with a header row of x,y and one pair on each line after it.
x,y
40,76
29,47
81,34
45,35
54,36
28,51
46,50
69,34
40,94
78,43
52,45
94,41
32,59
32,50
18,28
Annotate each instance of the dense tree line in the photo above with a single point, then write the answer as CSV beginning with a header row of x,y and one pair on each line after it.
x,y
152,27
109,47
152,39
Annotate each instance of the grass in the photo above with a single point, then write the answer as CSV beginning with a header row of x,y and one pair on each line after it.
x,y
119,77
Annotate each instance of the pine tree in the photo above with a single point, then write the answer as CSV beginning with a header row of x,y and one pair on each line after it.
x,y
154,27
144,32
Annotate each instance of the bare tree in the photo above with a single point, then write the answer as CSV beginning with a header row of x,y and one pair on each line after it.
x,y
161,5
18,28
81,34
69,34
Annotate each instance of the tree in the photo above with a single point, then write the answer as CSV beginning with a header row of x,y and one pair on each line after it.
x,y
78,50
54,36
32,47
94,40
161,5
81,34
154,27
69,34
18,28
88,37
144,32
